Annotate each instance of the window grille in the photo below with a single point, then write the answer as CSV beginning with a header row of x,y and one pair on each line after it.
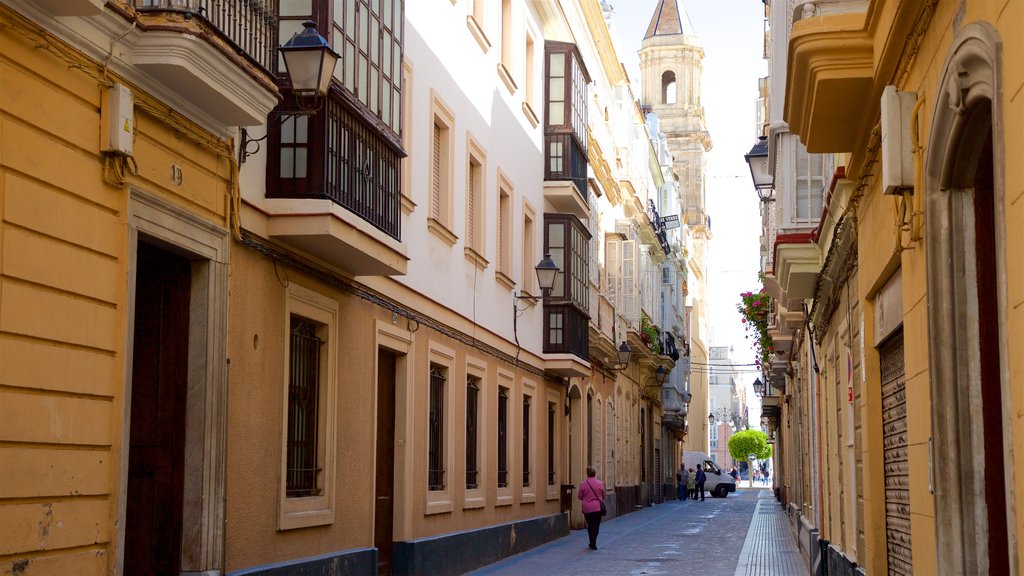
x,y
526,440
502,437
472,439
303,409
435,474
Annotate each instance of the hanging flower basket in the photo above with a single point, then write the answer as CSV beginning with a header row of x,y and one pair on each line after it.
x,y
754,308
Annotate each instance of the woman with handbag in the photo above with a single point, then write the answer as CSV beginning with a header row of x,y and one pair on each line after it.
x,y
591,494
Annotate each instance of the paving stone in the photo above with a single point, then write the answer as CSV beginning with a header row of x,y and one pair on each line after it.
x,y
746,534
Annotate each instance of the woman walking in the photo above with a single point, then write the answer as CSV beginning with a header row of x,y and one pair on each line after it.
x,y
591,494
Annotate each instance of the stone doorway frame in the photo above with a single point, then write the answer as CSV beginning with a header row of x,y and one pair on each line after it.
x,y
971,79
206,245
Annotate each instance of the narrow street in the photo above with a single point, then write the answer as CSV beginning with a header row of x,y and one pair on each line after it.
x,y
744,534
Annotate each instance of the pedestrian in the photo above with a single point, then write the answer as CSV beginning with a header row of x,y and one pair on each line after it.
x,y
691,484
735,474
682,482
591,494
700,480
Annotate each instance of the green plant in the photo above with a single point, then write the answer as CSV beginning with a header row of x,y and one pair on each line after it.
x,y
746,442
651,332
754,308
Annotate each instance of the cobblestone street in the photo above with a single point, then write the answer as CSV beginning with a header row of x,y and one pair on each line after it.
x,y
743,534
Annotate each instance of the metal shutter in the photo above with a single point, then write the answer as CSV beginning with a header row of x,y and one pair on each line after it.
x,y
897,468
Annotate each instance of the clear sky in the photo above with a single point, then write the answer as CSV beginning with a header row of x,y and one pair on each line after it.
x,y
732,34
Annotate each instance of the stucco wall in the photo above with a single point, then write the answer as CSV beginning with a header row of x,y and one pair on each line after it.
x,y
63,297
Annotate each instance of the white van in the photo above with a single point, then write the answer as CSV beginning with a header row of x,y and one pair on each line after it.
x,y
719,483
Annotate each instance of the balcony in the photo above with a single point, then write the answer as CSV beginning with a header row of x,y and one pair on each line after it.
x,y
830,75
343,205
797,264
215,56
565,177
566,342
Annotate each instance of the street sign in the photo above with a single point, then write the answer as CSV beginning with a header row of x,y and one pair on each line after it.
x,y
671,221
751,456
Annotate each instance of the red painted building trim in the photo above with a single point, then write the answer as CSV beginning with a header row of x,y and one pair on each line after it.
x,y
794,238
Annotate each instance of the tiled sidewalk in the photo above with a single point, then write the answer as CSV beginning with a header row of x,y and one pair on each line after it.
x,y
770,548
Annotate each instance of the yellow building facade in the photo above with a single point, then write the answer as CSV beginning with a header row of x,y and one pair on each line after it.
x,y
100,245
906,381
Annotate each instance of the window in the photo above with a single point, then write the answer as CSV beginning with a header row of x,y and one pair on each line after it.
x,y
303,408
530,259
441,158
294,149
551,443
475,21
566,309
475,204
623,279
436,462
529,90
643,447
502,437
368,36
590,429
505,66
565,128
406,184
668,87
472,432
526,440
307,461
504,240
290,16
809,185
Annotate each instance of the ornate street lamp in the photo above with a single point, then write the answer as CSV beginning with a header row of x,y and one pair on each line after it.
x,y
309,61
757,160
758,388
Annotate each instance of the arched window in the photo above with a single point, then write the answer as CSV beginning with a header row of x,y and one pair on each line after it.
x,y
668,87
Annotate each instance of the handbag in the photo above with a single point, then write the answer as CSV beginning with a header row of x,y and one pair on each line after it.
x,y
604,511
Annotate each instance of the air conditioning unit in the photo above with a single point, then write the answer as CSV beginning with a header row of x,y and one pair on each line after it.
x,y
897,144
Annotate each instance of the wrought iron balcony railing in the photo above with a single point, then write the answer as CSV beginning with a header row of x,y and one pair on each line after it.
x,y
249,25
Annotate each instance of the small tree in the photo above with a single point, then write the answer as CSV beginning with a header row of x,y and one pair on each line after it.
x,y
747,442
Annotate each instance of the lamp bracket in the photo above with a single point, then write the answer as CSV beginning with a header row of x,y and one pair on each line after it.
x,y
280,116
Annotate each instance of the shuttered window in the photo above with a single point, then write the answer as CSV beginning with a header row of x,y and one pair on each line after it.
x,y
894,448
435,175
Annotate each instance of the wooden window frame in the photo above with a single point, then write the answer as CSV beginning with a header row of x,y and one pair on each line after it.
x,y
476,233
440,208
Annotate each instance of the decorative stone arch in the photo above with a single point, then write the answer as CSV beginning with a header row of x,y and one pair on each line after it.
x,y
669,87
967,279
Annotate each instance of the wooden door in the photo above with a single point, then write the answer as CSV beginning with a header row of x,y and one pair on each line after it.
x,y
383,522
157,430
